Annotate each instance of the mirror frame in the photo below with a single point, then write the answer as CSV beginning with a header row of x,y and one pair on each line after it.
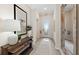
x,y
16,6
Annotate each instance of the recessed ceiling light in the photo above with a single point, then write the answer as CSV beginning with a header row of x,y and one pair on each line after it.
x,y
45,8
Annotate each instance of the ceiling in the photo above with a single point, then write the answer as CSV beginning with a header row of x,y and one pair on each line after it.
x,y
42,7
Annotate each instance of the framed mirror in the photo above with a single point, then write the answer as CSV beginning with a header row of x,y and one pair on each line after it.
x,y
21,15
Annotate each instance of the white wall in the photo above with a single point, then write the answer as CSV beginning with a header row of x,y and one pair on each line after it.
x,y
57,34
6,11
34,26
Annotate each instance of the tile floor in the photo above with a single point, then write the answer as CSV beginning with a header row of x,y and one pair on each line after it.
x,y
45,46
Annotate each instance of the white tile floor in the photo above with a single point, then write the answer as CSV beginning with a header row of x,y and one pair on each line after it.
x,y
45,46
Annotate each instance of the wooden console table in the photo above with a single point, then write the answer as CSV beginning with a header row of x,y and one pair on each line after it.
x,y
23,47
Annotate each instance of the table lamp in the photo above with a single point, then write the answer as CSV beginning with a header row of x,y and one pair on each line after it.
x,y
10,25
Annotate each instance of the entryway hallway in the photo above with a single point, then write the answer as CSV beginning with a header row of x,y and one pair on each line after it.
x,y
45,46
